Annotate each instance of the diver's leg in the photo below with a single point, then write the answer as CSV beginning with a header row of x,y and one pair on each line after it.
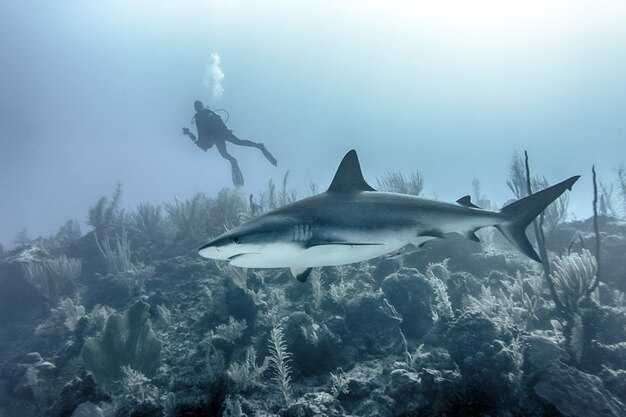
x,y
241,142
221,147
235,140
234,166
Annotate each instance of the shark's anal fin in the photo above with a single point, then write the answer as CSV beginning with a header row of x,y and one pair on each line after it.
x,y
301,274
467,202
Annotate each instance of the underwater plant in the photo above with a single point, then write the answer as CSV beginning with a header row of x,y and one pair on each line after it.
x,y
126,340
271,198
397,182
573,276
279,358
190,218
106,216
148,226
51,276
621,177
117,257
246,375
226,209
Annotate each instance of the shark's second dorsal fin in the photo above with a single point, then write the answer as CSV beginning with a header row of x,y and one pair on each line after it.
x,y
467,202
349,178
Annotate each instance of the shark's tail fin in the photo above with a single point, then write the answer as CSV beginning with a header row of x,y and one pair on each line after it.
x,y
519,214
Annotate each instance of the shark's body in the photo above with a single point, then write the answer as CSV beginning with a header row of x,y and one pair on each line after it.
x,y
351,222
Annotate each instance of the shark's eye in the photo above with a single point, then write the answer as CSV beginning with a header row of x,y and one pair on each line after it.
x,y
236,240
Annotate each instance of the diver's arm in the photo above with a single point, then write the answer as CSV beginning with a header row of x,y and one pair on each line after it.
x,y
187,132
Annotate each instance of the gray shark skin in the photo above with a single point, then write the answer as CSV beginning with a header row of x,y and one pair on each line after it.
x,y
352,222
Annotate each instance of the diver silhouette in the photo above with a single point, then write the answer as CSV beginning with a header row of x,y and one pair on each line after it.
x,y
213,131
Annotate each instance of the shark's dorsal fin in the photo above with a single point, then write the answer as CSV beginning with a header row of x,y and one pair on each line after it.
x,y
467,202
349,178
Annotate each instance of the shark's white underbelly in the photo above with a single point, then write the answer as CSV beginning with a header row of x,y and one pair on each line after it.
x,y
291,255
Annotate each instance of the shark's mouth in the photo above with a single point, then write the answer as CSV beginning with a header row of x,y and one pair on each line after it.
x,y
239,255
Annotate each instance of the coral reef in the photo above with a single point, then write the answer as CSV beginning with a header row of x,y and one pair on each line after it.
x,y
127,321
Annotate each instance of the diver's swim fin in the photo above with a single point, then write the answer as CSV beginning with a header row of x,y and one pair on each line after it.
x,y
267,154
237,175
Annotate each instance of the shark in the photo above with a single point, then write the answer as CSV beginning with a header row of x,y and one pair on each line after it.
x,y
352,222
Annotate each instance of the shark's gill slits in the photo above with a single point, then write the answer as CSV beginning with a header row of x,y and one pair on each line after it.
x,y
301,232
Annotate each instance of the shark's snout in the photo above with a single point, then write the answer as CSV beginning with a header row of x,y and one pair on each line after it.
x,y
211,251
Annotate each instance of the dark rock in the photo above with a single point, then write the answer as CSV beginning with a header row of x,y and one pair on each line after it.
x,y
575,393
361,381
460,285
88,409
386,267
614,354
371,330
240,305
379,405
489,364
146,409
74,393
20,302
482,264
612,328
404,388
296,291
32,358
314,348
110,290
615,381
314,404
454,247
411,295
541,351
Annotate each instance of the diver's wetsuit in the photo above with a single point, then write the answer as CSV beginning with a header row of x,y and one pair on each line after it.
x,y
212,130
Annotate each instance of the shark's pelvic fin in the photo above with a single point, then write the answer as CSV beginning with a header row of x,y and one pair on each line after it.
x,y
519,214
471,235
467,202
349,178
301,274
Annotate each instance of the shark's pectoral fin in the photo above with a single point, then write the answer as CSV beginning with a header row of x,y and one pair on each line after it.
x,y
301,274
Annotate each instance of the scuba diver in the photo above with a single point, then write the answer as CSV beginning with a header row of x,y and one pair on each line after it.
x,y
213,131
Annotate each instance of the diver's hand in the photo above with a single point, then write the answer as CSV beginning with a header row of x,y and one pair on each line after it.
x,y
186,131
